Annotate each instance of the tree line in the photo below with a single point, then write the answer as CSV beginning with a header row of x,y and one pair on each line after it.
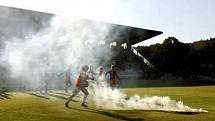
x,y
185,60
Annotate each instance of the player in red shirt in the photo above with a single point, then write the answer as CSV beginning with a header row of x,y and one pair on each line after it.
x,y
113,75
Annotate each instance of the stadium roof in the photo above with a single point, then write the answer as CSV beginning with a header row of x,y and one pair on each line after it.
x,y
124,33
119,33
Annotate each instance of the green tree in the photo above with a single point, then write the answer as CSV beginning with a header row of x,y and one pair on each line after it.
x,y
171,40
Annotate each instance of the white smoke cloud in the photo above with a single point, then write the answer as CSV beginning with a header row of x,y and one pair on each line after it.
x,y
106,98
65,42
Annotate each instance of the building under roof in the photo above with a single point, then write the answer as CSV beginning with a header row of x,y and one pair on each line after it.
x,y
122,37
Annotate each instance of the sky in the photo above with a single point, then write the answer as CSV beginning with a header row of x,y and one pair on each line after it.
x,y
187,20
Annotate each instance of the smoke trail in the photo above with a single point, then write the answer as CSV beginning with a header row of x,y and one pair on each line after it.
x,y
106,98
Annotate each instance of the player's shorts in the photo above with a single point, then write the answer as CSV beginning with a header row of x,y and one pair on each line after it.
x,y
78,83
113,82
68,82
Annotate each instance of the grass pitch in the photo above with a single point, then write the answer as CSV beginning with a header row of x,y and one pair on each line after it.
x,y
33,106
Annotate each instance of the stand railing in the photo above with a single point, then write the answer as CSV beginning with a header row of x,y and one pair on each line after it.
x,y
139,55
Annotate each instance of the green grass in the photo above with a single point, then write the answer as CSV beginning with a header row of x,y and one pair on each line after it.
x,y
19,106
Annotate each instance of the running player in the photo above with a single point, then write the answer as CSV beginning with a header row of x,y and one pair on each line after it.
x,y
81,85
113,75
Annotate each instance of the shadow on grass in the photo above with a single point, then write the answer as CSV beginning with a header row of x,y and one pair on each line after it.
x,y
37,95
176,112
4,95
60,97
110,114
57,96
61,93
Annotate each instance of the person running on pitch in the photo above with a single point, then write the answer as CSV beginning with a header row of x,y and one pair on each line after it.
x,y
45,83
100,79
91,72
81,85
92,85
68,81
113,75
68,78
45,77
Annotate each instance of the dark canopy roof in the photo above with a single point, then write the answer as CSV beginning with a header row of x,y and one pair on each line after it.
x,y
122,33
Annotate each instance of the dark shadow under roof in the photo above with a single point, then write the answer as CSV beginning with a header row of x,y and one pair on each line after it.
x,y
124,33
